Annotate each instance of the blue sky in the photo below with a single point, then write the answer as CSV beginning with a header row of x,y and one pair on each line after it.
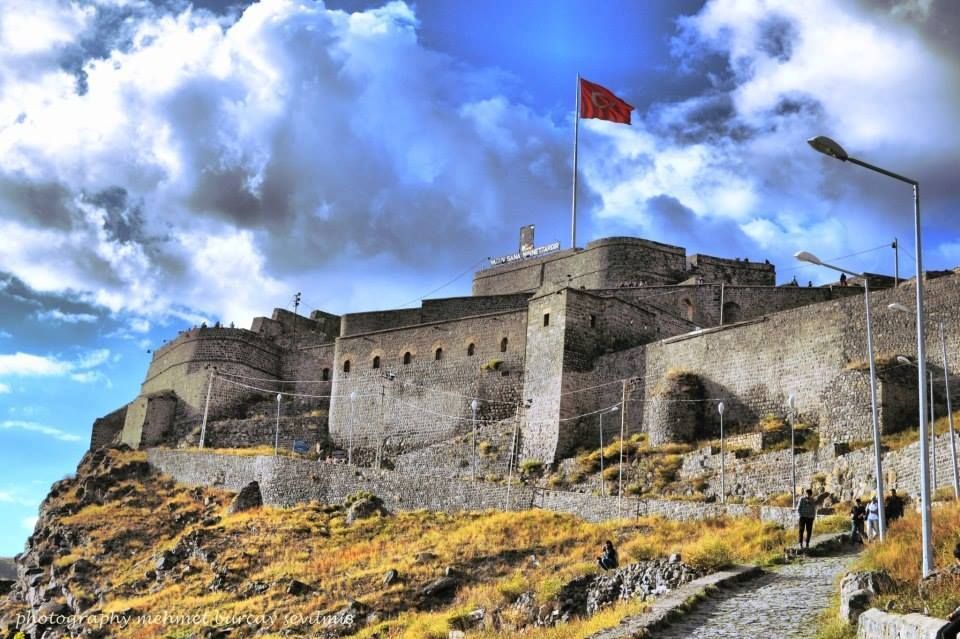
x,y
166,163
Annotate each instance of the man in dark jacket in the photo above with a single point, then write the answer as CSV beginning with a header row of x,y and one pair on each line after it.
x,y
807,510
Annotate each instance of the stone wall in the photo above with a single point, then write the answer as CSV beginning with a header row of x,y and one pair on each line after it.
x,y
877,624
605,263
107,428
845,474
263,431
286,482
181,366
731,271
810,351
429,398
701,303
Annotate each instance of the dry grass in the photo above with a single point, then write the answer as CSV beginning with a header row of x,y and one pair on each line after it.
x,y
506,554
899,556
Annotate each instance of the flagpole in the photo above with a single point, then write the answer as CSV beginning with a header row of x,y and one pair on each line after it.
x,y
576,139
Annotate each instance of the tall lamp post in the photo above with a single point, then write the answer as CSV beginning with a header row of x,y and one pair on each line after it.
x,y
276,436
792,403
804,256
474,404
603,489
353,417
946,389
723,492
825,145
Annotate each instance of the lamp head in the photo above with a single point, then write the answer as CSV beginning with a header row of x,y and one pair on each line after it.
x,y
279,397
792,401
474,404
614,409
903,360
825,145
721,408
804,256
353,396
897,306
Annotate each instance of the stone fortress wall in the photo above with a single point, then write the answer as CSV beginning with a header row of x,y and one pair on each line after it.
x,y
636,327
437,368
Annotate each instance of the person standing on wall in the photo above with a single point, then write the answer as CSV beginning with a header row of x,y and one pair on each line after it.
x,y
873,519
807,510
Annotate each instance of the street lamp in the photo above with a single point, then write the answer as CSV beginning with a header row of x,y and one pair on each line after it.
x,y
353,418
933,436
723,493
792,403
276,437
603,490
804,256
946,387
473,407
831,148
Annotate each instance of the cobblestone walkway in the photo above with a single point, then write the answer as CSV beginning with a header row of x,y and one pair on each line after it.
x,y
782,604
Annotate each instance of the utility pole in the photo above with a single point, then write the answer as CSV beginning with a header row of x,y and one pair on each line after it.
x,y
206,407
296,305
623,422
896,262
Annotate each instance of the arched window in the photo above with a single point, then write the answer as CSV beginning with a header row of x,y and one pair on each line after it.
x,y
407,357
376,361
438,354
346,366
325,375
471,349
503,345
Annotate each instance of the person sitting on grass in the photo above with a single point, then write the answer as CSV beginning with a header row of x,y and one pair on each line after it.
x,y
608,559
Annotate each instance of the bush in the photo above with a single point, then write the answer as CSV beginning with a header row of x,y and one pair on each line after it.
x,y
486,448
531,466
513,586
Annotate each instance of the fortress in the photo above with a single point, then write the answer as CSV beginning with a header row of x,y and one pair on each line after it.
x,y
629,332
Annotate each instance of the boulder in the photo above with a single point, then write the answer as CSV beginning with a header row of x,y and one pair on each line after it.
x,y
857,591
365,508
248,498
440,587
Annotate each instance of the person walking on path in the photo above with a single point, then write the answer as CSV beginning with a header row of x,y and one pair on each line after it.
x,y
857,516
873,519
807,510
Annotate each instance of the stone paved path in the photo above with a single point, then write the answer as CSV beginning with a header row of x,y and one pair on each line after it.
x,y
783,604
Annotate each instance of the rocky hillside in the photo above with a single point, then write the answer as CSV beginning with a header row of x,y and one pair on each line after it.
x,y
120,551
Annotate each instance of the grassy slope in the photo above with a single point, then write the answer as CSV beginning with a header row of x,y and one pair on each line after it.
x,y
312,543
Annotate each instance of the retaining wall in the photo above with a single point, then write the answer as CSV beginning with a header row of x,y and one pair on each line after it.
x,y
286,482
877,624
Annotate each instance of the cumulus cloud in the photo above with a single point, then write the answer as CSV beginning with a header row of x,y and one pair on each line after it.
x,y
34,427
29,523
735,157
5,389
190,162
29,365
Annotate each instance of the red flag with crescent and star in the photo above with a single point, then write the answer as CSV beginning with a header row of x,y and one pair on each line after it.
x,y
600,103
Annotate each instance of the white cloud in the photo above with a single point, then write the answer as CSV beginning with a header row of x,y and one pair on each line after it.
x,y
13,496
735,155
5,389
29,523
56,315
34,427
29,365
5,334
295,136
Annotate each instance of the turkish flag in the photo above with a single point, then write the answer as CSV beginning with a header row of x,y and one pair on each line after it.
x,y
600,103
